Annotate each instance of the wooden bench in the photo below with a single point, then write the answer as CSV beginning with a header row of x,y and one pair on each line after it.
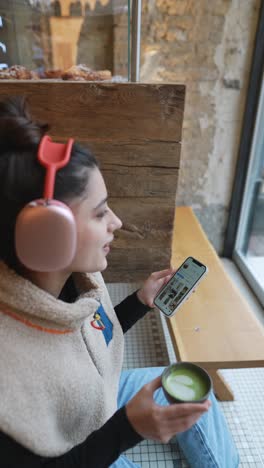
x,y
216,328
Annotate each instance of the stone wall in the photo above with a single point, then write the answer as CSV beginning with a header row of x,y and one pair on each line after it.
x,y
208,46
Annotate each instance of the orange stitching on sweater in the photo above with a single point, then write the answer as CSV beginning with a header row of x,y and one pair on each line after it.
x,y
33,325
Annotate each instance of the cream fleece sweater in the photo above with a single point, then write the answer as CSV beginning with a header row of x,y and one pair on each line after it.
x,y
58,378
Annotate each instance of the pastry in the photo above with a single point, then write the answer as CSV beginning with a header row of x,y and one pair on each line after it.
x,y
18,72
75,73
52,74
84,73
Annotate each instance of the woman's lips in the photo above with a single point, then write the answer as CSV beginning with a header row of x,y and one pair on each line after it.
x,y
106,248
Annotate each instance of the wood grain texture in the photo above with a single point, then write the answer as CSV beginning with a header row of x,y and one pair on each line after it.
x,y
105,111
137,263
135,131
147,154
147,222
140,182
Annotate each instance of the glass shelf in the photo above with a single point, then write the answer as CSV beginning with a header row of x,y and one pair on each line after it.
x,y
44,36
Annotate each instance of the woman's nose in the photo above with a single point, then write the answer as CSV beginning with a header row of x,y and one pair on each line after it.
x,y
115,223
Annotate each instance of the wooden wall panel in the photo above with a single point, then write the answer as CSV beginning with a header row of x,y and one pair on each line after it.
x,y
147,153
135,132
147,222
105,111
136,264
140,181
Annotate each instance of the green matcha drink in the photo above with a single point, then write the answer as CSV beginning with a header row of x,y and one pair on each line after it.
x,y
186,384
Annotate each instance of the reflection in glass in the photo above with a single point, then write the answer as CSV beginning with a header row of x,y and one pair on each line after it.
x,y
46,35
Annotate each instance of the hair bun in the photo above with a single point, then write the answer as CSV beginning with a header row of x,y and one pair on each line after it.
x,y
17,129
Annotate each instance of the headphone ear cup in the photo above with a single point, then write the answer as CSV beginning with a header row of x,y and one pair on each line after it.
x,y
45,236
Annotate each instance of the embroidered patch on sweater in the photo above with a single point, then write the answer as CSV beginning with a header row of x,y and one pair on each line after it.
x,y
103,323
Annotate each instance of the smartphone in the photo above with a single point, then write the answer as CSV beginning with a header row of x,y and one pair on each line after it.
x,y
178,289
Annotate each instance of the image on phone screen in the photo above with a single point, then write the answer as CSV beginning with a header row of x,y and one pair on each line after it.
x,y
182,282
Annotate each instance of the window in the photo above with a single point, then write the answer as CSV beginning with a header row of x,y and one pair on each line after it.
x,y
249,245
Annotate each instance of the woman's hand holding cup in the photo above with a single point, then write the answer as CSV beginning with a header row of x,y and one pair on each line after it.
x,y
161,423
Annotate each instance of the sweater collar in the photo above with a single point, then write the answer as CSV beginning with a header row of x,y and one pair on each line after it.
x,y
21,298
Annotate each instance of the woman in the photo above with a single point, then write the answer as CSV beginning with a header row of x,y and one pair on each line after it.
x,y
61,341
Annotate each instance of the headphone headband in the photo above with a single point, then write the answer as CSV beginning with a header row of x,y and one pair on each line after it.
x,y
53,156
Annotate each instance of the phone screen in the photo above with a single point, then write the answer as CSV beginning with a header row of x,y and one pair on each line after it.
x,y
174,292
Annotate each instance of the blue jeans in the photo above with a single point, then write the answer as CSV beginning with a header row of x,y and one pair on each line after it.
x,y
207,444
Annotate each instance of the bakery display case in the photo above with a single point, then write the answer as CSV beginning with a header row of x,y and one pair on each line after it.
x,y
84,40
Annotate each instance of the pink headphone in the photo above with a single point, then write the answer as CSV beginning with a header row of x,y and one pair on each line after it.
x,y
45,231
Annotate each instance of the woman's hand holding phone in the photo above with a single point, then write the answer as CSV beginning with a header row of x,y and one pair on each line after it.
x,y
161,423
181,284
169,289
153,284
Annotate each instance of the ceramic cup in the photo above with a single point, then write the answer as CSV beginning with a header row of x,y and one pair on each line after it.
x,y
185,382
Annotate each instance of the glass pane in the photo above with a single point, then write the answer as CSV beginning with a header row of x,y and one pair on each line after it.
x,y
254,236
249,250
44,36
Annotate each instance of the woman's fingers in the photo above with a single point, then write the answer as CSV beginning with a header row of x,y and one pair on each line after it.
x,y
180,420
183,410
166,279
160,274
172,428
153,384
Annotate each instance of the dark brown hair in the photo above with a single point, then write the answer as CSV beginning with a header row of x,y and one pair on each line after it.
x,y
21,175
